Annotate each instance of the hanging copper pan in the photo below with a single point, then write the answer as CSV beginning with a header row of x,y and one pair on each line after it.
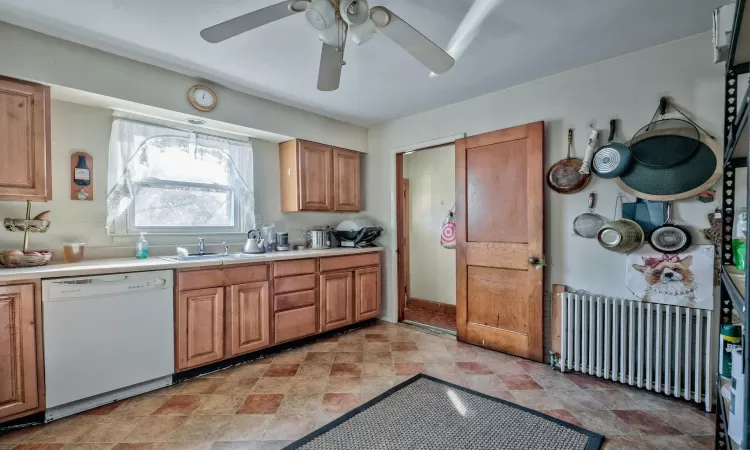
x,y
564,176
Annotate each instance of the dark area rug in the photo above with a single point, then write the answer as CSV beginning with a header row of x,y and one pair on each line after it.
x,y
425,413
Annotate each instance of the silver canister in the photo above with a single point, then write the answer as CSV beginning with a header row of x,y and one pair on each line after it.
x,y
319,238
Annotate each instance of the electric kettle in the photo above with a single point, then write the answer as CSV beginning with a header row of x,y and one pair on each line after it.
x,y
254,243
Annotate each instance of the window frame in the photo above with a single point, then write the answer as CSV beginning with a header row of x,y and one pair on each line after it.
x,y
131,228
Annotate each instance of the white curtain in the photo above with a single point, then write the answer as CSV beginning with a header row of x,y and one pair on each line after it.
x,y
131,143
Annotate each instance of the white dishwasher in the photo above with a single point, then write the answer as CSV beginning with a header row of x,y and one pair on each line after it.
x,y
106,338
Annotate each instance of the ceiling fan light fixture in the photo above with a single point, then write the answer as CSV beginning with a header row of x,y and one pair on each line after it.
x,y
354,12
380,16
335,35
298,6
320,14
363,33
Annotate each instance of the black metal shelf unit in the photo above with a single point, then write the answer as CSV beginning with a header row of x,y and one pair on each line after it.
x,y
736,144
739,45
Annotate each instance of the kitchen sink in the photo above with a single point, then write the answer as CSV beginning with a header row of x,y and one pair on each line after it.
x,y
194,257
212,256
244,255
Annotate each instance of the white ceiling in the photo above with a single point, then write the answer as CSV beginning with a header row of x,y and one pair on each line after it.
x,y
522,40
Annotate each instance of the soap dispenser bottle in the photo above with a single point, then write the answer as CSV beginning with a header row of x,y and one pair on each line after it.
x,y
141,248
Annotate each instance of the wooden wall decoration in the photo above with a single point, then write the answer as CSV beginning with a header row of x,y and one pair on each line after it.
x,y
81,176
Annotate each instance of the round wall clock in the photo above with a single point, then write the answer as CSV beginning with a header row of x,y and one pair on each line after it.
x,y
202,97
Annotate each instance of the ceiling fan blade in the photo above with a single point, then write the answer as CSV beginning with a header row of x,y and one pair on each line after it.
x,y
252,20
414,42
331,62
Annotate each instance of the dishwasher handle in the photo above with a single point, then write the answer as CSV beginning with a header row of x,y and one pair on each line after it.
x,y
103,280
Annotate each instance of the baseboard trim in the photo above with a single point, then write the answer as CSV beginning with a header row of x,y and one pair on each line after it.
x,y
428,305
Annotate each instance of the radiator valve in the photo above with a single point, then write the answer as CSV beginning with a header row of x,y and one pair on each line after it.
x,y
554,360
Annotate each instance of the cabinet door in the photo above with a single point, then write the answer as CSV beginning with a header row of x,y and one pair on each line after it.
x,y
316,178
346,180
366,293
18,351
248,318
24,141
200,327
336,300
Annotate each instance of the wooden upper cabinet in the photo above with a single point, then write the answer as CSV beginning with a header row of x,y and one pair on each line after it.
x,y
18,351
366,293
346,180
248,317
200,327
336,300
317,177
25,150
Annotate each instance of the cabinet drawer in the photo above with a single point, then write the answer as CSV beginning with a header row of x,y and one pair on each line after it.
x,y
293,284
349,262
294,324
294,300
200,279
296,267
245,274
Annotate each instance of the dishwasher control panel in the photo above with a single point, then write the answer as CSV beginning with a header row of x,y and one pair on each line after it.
x,y
104,285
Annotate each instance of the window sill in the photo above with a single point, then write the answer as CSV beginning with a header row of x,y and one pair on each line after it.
x,y
180,239
196,234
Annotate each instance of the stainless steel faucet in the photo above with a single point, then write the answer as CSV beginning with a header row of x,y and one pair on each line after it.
x,y
226,248
201,246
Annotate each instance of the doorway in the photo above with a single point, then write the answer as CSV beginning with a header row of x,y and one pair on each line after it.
x,y
499,256
427,191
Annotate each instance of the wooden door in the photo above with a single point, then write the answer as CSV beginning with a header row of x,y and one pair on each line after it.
x,y
247,317
25,171
346,180
18,351
499,233
316,177
366,293
336,300
200,327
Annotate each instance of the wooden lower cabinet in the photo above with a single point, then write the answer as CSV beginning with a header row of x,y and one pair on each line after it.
x,y
200,327
366,293
247,317
336,300
256,306
20,352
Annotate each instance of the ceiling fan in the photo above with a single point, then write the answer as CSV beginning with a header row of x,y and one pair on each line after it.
x,y
334,20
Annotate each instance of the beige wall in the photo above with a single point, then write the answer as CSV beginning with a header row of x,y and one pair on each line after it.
x,y
37,57
84,128
432,180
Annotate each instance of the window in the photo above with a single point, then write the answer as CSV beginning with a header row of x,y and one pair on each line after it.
x,y
176,181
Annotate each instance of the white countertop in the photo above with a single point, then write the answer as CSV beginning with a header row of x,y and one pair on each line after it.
x,y
104,266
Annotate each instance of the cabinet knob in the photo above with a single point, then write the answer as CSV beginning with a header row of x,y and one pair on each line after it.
x,y
534,260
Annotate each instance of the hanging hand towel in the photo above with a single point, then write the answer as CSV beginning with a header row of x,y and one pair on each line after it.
x,y
448,235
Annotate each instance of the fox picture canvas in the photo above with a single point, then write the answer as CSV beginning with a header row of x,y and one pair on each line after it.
x,y
683,279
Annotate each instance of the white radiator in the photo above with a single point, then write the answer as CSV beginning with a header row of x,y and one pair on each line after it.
x,y
657,347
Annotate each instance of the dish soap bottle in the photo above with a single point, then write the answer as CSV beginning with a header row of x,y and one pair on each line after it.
x,y
141,248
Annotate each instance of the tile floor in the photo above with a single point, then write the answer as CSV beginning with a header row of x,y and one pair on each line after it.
x,y
432,318
268,403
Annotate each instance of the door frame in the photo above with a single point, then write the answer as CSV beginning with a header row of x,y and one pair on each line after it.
x,y
402,251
